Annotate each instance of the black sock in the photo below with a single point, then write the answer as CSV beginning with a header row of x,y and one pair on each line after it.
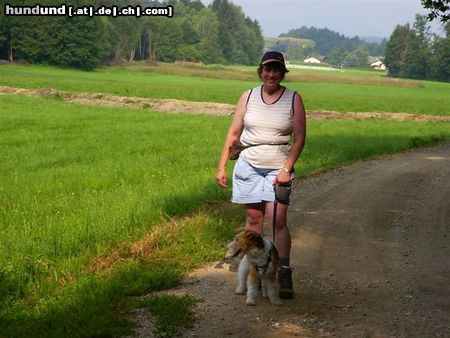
x,y
284,262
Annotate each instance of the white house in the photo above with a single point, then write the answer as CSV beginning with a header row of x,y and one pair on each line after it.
x,y
376,63
314,59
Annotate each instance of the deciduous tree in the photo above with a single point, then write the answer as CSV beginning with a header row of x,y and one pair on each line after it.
x,y
439,9
395,50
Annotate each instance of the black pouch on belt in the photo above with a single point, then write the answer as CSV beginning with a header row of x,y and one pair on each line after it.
x,y
283,193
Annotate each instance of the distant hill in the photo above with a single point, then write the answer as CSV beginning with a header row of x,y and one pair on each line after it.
x,y
372,39
270,42
326,40
293,48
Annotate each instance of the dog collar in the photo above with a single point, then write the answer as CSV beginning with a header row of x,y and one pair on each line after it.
x,y
265,266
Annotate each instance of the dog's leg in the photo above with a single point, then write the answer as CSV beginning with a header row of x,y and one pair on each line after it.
x,y
272,290
252,287
264,287
242,276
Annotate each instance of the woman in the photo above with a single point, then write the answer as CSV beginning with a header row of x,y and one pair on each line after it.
x,y
270,119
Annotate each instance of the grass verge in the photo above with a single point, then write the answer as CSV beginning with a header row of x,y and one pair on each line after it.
x,y
172,314
93,304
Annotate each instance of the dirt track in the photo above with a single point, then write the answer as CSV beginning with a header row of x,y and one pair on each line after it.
x,y
371,252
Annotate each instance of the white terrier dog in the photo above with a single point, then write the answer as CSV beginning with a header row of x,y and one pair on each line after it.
x,y
260,263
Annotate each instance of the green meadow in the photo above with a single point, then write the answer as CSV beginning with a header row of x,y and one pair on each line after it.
x,y
347,91
99,205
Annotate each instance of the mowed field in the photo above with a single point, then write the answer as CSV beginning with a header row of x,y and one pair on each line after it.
x,y
100,204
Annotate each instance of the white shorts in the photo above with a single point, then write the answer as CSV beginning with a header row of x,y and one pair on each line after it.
x,y
253,185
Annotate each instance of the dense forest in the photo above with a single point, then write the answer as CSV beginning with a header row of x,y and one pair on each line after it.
x,y
219,33
414,52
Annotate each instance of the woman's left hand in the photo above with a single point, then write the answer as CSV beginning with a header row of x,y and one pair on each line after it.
x,y
283,178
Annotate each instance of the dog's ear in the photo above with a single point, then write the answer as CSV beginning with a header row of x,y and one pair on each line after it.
x,y
258,240
253,239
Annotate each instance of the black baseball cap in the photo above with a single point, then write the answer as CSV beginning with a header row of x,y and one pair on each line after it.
x,y
273,56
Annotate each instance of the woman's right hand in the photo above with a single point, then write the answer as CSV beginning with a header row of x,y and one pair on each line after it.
x,y
221,178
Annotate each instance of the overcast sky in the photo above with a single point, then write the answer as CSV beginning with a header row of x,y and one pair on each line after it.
x,y
348,17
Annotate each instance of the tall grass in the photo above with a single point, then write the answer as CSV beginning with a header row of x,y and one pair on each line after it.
x,y
345,92
78,180
83,184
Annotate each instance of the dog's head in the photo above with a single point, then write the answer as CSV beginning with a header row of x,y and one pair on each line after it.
x,y
245,242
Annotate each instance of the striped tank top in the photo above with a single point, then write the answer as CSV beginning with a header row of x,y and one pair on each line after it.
x,y
269,126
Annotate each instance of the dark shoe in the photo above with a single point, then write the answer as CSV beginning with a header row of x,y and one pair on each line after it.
x,y
285,282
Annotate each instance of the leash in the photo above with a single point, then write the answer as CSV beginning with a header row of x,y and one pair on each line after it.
x,y
274,220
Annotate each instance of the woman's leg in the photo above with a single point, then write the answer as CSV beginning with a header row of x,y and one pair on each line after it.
x,y
282,234
255,217
283,245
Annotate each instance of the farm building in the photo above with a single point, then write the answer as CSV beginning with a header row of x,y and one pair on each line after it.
x,y
315,59
376,63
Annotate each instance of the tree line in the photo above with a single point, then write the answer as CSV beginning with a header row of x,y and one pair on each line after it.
x,y
327,40
218,33
338,49
414,52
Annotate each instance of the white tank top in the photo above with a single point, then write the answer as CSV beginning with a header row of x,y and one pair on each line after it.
x,y
270,127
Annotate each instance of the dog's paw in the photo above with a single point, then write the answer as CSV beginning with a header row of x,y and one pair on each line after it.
x,y
240,291
250,301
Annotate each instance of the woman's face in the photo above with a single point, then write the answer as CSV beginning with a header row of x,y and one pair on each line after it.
x,y
271,75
